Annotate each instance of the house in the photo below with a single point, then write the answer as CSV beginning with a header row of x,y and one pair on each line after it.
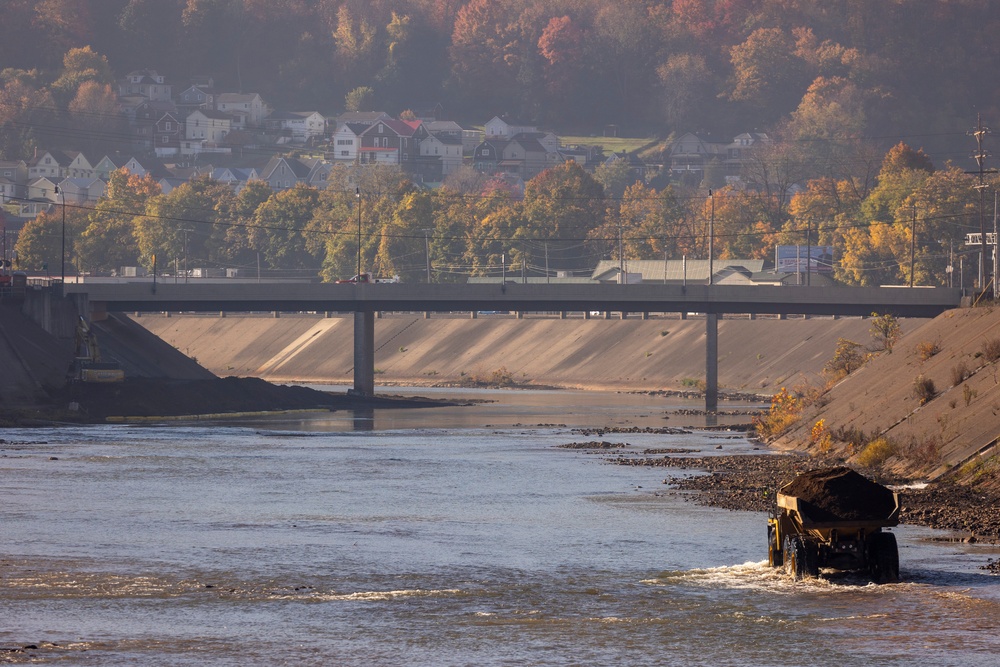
x,y
390,142
196,97
43,189
739,150
361,117
47,164
440,153
8,190
78,166
82,191
470,138
167,134
204,131
300,125
522,155
346,141
111,163
144,122
505,127
248,110
15,172
146,83
691,153
283,173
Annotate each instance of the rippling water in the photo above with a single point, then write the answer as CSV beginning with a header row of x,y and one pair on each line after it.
x,y
334,540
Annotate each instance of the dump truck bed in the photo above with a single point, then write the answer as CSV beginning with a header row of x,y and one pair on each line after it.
x,y
813,518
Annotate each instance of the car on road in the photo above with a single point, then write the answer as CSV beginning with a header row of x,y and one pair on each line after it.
x,y
360,278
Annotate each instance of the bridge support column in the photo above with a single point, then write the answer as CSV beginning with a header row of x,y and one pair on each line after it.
x,y
473,315
364,352
711,362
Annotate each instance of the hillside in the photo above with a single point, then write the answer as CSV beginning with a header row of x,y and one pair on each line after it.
x,y
953,434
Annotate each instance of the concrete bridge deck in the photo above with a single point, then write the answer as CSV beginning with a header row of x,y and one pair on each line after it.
x,y
366,299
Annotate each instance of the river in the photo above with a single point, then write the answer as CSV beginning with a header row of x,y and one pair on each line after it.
x,y
448,536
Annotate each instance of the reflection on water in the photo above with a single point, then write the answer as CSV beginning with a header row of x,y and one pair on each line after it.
x,y
504,408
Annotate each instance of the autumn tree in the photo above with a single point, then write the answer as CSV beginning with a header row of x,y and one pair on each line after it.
x,y
563,205
766,73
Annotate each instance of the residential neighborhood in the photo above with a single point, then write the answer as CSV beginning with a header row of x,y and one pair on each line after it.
x,y
191,129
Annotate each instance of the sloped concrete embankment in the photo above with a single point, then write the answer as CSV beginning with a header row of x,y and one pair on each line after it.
x,y
960,422
633,354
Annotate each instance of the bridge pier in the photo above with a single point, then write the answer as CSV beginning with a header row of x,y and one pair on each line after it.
x,y
364,352
711,362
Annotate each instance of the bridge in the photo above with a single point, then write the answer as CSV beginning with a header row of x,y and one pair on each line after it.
x,y
364,300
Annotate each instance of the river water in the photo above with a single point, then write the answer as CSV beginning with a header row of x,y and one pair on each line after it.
x,y
451,536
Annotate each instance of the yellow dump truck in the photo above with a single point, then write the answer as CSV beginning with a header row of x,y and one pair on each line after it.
x,y
834,518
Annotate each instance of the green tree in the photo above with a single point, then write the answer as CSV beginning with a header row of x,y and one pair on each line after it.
x,y
402,247
284,221
109,242
40,241
185,224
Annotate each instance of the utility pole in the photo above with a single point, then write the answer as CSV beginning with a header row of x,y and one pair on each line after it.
x,y
427,253
913,240
357,193
809,252
980,156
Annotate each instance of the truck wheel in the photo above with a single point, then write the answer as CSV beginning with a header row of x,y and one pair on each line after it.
x,y
883,558
797,560
774,554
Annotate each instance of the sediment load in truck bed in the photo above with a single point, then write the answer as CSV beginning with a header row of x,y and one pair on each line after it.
x,y
840,494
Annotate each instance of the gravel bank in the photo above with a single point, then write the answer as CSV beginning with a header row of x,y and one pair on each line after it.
x,y
749,482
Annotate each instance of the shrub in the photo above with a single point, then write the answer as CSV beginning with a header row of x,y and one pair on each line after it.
x,y
959,374
923,388
877,452
926,454
991,349
927,349
968,393
885,331
786,408
846,359
820,436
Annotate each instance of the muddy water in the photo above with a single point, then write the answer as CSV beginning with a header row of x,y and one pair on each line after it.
x,y
313,541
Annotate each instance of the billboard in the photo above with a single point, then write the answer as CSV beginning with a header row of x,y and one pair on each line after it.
x,y
802,259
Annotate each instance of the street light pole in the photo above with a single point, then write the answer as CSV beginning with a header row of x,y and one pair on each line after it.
x,y
62,251
357,193
711,239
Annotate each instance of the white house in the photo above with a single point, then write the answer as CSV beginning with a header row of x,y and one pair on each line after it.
x,y
506,128
347,140
204,131
302,125
250,108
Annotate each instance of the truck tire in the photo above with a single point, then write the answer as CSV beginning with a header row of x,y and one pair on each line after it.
x,y
883,558
774,553
800,561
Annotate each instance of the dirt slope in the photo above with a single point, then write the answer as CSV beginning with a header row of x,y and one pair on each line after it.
x,y
634,354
